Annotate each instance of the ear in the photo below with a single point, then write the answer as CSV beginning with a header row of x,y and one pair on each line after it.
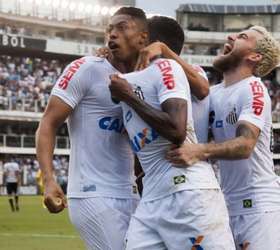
x,y
255,57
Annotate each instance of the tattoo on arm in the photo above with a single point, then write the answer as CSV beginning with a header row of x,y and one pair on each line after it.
x,y
239,147
246,131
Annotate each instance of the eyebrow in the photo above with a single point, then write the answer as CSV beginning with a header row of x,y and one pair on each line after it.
x,y
242,33
119,23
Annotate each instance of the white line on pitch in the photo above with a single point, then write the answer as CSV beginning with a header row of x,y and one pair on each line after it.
x,y
39,235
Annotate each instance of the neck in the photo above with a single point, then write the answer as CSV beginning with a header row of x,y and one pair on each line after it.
x,y
236,75
125,66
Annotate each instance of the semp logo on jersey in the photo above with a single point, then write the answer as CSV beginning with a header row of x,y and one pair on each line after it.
x,y
258,97
70,72
111,124
167,74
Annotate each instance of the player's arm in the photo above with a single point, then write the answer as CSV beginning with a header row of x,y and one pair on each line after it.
x,y
199,85
250,123
18,176
55,114
238,148
169,123
4,176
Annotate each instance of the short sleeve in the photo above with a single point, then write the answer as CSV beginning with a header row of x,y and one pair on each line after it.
x,y
172,81
200,71
71,85
255,103
17,167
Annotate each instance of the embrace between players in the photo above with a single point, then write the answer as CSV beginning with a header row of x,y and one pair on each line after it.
x,y
161,111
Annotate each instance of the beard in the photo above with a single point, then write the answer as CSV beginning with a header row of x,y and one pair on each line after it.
x,y
225,63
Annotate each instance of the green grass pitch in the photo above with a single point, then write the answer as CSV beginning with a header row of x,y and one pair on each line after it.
x,y
34,228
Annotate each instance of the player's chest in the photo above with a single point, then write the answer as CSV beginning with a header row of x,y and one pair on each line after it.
x,y
224,112
99,97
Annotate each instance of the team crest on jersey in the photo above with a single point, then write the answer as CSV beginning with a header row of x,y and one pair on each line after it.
x,y
197,242
232,117
138,91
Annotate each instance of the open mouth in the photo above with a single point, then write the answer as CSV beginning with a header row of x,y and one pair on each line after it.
x,y
113,45
227,48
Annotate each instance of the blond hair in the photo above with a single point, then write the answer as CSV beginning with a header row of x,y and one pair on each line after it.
x,y
269,48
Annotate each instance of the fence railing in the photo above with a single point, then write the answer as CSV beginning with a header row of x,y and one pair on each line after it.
x,y
28,141
22,104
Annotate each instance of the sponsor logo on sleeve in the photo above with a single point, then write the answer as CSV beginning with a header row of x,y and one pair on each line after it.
x,y
70,72
258,97
167,75
197,242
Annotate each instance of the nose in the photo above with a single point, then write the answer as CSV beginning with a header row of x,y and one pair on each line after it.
x,y
113,34
231,37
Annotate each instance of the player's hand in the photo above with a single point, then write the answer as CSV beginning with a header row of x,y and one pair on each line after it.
x,y
104,52
54,197
120,89
186,155
147,54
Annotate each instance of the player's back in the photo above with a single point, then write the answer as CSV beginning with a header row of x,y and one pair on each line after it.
x,y
162,80
101,161
200,111
249,184
11,169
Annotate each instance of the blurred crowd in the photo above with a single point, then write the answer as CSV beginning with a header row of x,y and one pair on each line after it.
x,y
25,83
29,167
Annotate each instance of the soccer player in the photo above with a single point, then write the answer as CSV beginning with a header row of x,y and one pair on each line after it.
x,y
242,127
101,191
159,35
180,207
159,38
12,180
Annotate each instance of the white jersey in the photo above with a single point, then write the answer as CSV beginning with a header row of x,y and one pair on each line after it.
x,y
162,80
249,185
101,161
11,169
200,110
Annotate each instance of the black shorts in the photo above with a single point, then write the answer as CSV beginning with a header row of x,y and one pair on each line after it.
x,y
12,187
